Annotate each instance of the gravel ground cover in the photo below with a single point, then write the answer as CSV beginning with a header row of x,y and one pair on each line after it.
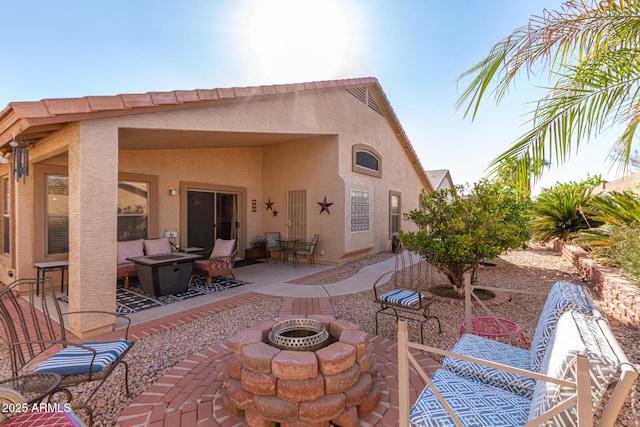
x,y
534,269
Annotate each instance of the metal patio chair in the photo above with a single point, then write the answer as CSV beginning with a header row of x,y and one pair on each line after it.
x,y
35,335
408,297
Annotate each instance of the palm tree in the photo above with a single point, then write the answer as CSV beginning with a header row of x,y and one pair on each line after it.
x,y
591,49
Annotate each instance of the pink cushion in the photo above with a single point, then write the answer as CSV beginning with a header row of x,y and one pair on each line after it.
x,y
201,265
223,248
127,267
157,246
129,248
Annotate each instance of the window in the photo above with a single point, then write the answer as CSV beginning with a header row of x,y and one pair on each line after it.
x,y
359,210
6,209
366,160
394,213
57,214
133,210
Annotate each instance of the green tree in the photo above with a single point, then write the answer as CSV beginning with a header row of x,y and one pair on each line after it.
x,y
591,49
466,225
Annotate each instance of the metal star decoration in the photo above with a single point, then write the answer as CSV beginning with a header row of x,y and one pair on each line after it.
x,y
275,212
269,204
325,206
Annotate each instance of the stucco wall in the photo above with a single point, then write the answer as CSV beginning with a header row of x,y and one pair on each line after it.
x,y
238,167
329,123
629,182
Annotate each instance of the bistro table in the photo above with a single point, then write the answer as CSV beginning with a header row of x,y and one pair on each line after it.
x,y
33,387
43,267
165,274
288,244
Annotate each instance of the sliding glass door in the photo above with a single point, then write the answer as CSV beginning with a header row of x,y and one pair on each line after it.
x,y
210,216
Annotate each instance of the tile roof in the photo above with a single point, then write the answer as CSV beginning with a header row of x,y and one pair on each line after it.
x,y
32,121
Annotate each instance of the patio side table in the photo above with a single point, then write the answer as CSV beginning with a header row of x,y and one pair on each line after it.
x,y
33,387
488,327
43,267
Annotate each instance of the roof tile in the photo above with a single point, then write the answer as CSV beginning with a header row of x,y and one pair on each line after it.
x,y
137,100
242,92
58,106
160,98
28,110
186,95
101,103
226,93
208,94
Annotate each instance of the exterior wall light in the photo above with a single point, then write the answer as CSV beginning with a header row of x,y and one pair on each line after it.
x,y
173,191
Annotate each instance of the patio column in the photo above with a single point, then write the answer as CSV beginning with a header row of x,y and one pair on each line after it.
x,y
93,180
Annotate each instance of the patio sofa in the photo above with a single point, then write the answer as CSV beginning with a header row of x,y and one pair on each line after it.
x,y
140,247
573,359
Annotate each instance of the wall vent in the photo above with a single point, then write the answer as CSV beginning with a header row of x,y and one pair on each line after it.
x,y
366,97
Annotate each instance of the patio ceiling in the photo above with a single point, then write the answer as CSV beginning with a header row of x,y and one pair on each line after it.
x,y
164,139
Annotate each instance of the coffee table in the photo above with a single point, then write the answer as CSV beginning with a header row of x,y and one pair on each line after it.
x,y
165,274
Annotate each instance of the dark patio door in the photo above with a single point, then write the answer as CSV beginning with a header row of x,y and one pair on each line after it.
x,y
210,216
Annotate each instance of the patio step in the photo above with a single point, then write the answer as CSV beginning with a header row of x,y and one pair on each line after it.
x,y
306,306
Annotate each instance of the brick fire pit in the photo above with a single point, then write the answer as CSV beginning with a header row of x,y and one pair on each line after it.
x,y
336,384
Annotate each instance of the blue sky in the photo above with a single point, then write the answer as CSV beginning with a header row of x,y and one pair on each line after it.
x,y
415,48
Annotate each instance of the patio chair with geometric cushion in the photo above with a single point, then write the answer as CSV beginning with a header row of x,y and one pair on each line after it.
x,y
37,341
406,295
220,263
306,249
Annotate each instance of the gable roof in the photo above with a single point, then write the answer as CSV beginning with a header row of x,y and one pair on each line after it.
x,y
438,176
32,121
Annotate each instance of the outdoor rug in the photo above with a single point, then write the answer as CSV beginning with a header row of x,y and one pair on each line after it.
x,y
134,299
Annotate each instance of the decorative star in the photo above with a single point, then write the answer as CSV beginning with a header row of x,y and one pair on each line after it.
x,y
269,204
325,205
275,212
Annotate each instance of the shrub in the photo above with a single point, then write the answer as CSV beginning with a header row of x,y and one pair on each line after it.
x,y
466,225
559,212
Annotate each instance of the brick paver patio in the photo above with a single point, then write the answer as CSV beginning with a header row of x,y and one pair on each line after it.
x,y
189,394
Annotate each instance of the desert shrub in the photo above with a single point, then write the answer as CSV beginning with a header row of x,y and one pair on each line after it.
x,y
559,211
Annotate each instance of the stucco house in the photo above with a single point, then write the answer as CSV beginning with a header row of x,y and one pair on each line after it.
x,y
326,157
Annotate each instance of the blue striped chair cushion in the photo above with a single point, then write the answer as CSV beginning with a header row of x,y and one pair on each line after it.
x,y
562,297
401,297
474,403
494,351
76,360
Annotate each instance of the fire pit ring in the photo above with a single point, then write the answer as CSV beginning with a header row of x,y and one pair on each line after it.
x,y
299,335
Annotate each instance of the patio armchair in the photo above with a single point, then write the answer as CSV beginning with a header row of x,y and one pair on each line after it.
x,y
220,263
37,341
306,249
272,244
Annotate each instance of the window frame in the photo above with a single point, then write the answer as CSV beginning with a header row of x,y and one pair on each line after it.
x,y
7,237
360,148
398,195
355,210
148,207
48,215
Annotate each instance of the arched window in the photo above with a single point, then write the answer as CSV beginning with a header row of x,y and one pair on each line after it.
x,y
367,160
